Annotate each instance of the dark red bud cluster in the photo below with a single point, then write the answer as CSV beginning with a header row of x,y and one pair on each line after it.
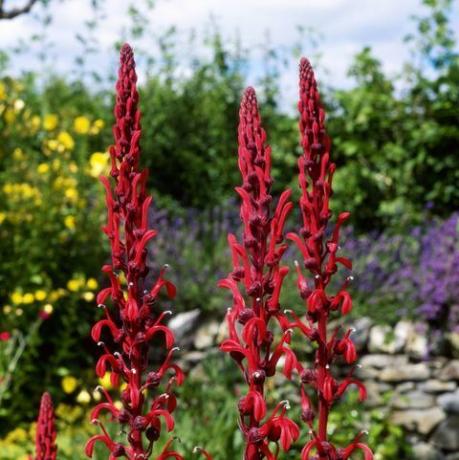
x,y
45,439
132,323
320,254
255,283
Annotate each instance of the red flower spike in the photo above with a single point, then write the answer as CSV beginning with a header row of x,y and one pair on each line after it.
x,y
45,441
130,323
255,283
321,259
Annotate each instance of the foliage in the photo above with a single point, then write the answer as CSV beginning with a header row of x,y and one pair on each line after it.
x,y
205,417
49,241
399,149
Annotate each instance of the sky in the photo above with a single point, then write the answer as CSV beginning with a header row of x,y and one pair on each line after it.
x,y
345,26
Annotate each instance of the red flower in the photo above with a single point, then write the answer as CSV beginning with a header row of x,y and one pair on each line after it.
x,y
321,258
45,440
255,284
131,323
5,336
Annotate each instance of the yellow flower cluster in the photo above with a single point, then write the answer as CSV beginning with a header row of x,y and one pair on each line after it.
x,y
99,163
82,125
84,287
23,192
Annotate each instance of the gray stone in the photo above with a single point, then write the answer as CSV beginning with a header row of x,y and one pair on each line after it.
x,y
422,421
453,341
405,387
362,328
367,373
417,345
412,400
446,435
205,335
426,451
382,339
408,372
381,361
450,371
437,386
449,402
374,394
403,331
184,323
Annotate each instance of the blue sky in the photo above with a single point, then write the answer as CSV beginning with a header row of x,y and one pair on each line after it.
x,y
345,26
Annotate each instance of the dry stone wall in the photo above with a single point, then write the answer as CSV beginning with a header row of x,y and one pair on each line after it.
x,y
419,390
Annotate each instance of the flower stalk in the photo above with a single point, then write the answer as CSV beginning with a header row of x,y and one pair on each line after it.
x,y
133,320
320,252
45,440
255,284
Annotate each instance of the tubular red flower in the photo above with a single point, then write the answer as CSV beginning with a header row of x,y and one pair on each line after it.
x,y
131,323
45,441
320,259
255,284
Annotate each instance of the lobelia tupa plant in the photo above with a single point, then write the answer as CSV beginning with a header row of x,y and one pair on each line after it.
x,y
45,441
319,249
132,322
255,284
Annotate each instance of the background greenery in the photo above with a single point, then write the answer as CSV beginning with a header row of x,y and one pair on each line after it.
x,y
395,140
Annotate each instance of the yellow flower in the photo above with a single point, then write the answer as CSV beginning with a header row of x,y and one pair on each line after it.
x,y
2,91
56,164
97,126
72,194
69,222
66,140
105,381
7,309
16,297
28,298
43,168
10,116
74,285
17,435
73,167
35,122
48,308
81,125
69,384
98,163
118,405
8,188
50,121
2,217
91,284
40,295
18,154
83,397
88,296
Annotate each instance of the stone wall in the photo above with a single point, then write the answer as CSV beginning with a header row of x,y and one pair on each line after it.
x,y
420,394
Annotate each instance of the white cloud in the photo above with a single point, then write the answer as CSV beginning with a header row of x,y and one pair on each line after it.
x,y
346,25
